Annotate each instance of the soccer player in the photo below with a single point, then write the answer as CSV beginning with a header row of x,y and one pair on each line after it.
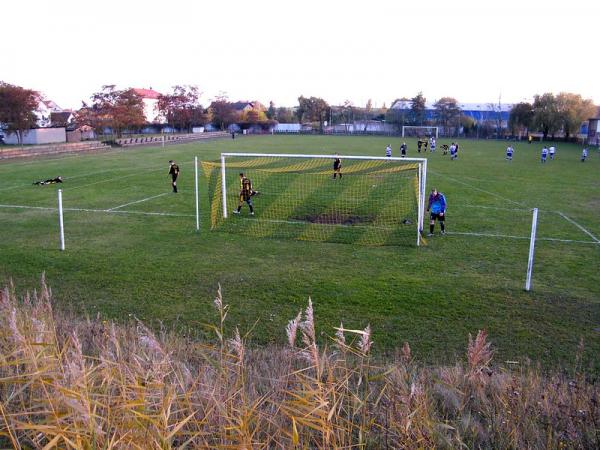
x,y
337,167
551,151
544,154
584,154
509,152
419,145
453,151
432,144
403,150
174,172
530,139
437,205
445,149
388,151
246,194
49,181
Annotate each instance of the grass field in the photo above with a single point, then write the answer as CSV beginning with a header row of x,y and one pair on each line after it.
x,y
132,250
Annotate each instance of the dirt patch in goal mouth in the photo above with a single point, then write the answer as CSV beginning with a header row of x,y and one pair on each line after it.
x,y
336,219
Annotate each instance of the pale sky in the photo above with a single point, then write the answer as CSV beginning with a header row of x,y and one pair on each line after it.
x,y
473,50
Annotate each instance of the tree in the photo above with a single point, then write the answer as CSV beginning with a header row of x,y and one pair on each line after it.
x,y
17,109
520,118
116,109
222,111
545,114
285,115
573,110
272,111
417,108
182,109
314,109
447,111
253,116
347,113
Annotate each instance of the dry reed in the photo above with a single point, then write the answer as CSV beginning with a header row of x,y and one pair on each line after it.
x,y
72,383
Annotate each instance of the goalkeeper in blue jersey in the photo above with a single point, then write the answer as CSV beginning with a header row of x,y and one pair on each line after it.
x,y
437,206
246,194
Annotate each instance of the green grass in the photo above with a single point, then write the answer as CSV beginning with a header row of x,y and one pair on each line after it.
x,y
159,269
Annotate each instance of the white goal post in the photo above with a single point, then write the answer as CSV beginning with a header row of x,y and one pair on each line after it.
x,y
429,131
421,173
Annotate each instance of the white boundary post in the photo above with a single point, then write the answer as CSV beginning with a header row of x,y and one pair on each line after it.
x,y
224,183
420,201
60,221
423,193
197,202
531,250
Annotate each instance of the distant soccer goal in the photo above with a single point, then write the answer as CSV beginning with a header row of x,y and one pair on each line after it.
x,y
419,131
375,201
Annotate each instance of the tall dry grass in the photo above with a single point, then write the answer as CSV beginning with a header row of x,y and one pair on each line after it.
x,y
71,383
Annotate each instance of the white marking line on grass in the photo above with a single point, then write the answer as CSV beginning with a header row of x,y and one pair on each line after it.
x,y
137,201
508,236
147,169
141,213
494,207
580,227
476,188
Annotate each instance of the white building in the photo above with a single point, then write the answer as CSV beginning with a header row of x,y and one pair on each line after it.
x,y
150,99
44,111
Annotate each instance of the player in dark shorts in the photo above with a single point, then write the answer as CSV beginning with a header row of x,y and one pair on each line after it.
x,y
437,205
246,194
174,172
337,167
445,149
419,145
403,150
425,144
48,181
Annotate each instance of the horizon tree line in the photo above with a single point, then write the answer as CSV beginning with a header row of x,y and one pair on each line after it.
x,y
122,110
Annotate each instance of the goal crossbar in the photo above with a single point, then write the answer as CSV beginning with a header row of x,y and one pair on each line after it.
x,y
420,127
421,175
291,155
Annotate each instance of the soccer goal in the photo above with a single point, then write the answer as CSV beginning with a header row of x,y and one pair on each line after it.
x,y
418,131
375,201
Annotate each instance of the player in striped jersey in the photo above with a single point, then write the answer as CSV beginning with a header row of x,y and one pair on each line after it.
x,y
246,194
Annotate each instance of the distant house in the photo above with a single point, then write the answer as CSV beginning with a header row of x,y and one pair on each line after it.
x,y
242,108
62,118
248,106
150,98
593,131
43,112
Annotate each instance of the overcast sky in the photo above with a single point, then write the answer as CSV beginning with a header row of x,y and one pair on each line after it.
x,y
473,50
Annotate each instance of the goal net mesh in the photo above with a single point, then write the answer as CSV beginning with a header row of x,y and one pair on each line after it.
x,y
374,203
419,131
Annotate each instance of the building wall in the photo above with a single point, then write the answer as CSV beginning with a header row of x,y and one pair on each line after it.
x,y
38,136
150,109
